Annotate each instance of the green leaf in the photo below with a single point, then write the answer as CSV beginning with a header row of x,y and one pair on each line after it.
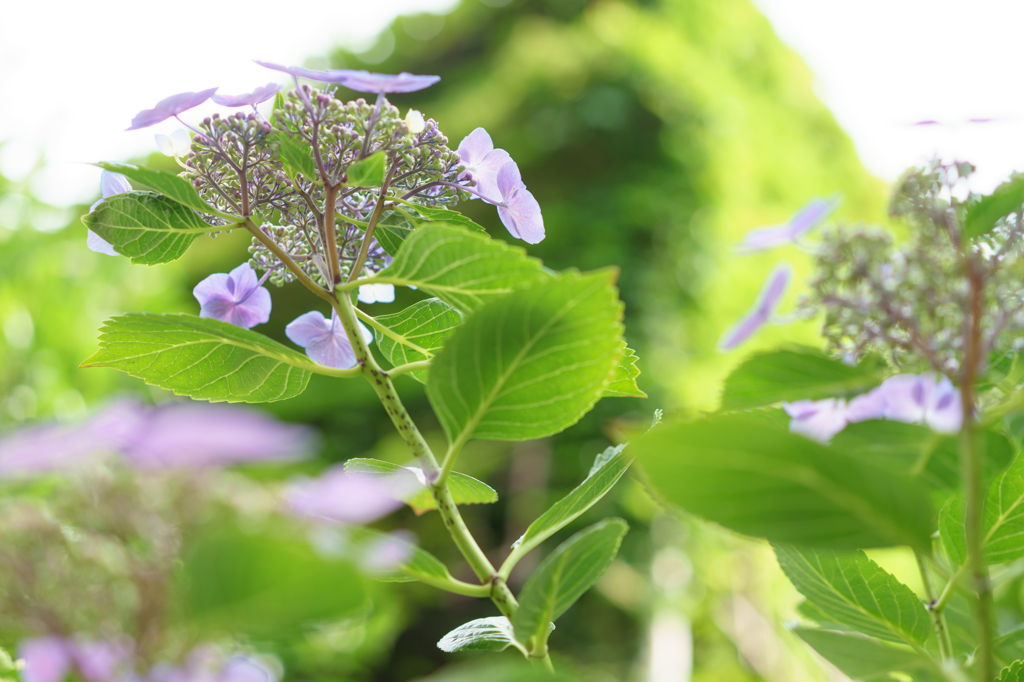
x,y
202,358
916,450
863,658
150,228
422,330
461,268
796,374
623,381
483,634
421,565
445,215
982,215
1009,647
368,172
465,489
265,583
1004,520
564,576
391,231
609,466
531,363
853,591
171,185
753,476
296,157
1013,673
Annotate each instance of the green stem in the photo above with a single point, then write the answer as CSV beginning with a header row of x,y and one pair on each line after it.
x,y
409,367
391,334
283,256
378,210
938,617
947,592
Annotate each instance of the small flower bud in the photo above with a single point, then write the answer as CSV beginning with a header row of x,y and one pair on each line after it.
x,y
414,122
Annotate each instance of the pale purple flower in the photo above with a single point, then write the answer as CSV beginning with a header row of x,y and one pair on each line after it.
x,y
237,298
360,81
171,106
800,224
100,661
767,301
377,293
47,659
518,210
927,398
866,407
110,184
384,554
244,669
817,419
251,99
482,162
344,497
325,340
51,658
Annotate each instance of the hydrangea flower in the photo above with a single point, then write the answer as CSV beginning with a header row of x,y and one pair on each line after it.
x,y
170,106
377,293
325,340
110,184
237,297
518,210
767,301
806,219
482,162
51,658
818,420
250,99
344,497
360,81
175,145
927,398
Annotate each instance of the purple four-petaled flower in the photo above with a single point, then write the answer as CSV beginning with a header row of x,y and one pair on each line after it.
x,y
482,162
325,340
110,184
518,210
767,301
170,106
806,219
237,297
251,99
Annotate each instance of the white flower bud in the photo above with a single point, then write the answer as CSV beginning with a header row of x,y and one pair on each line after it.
x,y
414,122
177,144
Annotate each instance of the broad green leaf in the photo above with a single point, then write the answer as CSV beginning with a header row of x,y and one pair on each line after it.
x,y
423,326
265,583
1009,647
529,364
483,634
853,591
796,374
391,231
753,476
150,228
172,186
296,157
1004,520
368,172
203,358
863,658
465,489
918,451
461,268
608,468
982,215
1013,673
564,576
445,215
623,381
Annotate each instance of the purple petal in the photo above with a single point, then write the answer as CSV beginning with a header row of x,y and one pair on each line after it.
x,y
765,238
187,435
343,497
113,183
767,300
903,395
253,310
521,215
364,81
325,342
234,298
802,222
475,146
98,244
296,71
485,174
945,412
214,287
387,553
244,669
99,661
866,407
171,106
257,96
772,293
818,420
742,330
509,179
47,659
307,328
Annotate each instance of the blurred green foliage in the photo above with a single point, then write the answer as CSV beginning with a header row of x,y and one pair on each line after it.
x,y
654,134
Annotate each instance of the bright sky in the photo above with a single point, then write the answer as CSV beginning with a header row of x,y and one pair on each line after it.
x,y
74,73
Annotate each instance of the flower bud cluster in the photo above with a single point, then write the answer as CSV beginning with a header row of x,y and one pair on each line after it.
x,y
910,301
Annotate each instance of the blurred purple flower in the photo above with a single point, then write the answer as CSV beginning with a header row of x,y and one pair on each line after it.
x,y
237,298
518,210
767,301
345,497
171,106
927,398
47,659
482,162
257,96
325,341
800,224
360,81
51,658
174,435
817,419
383,554
110,184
